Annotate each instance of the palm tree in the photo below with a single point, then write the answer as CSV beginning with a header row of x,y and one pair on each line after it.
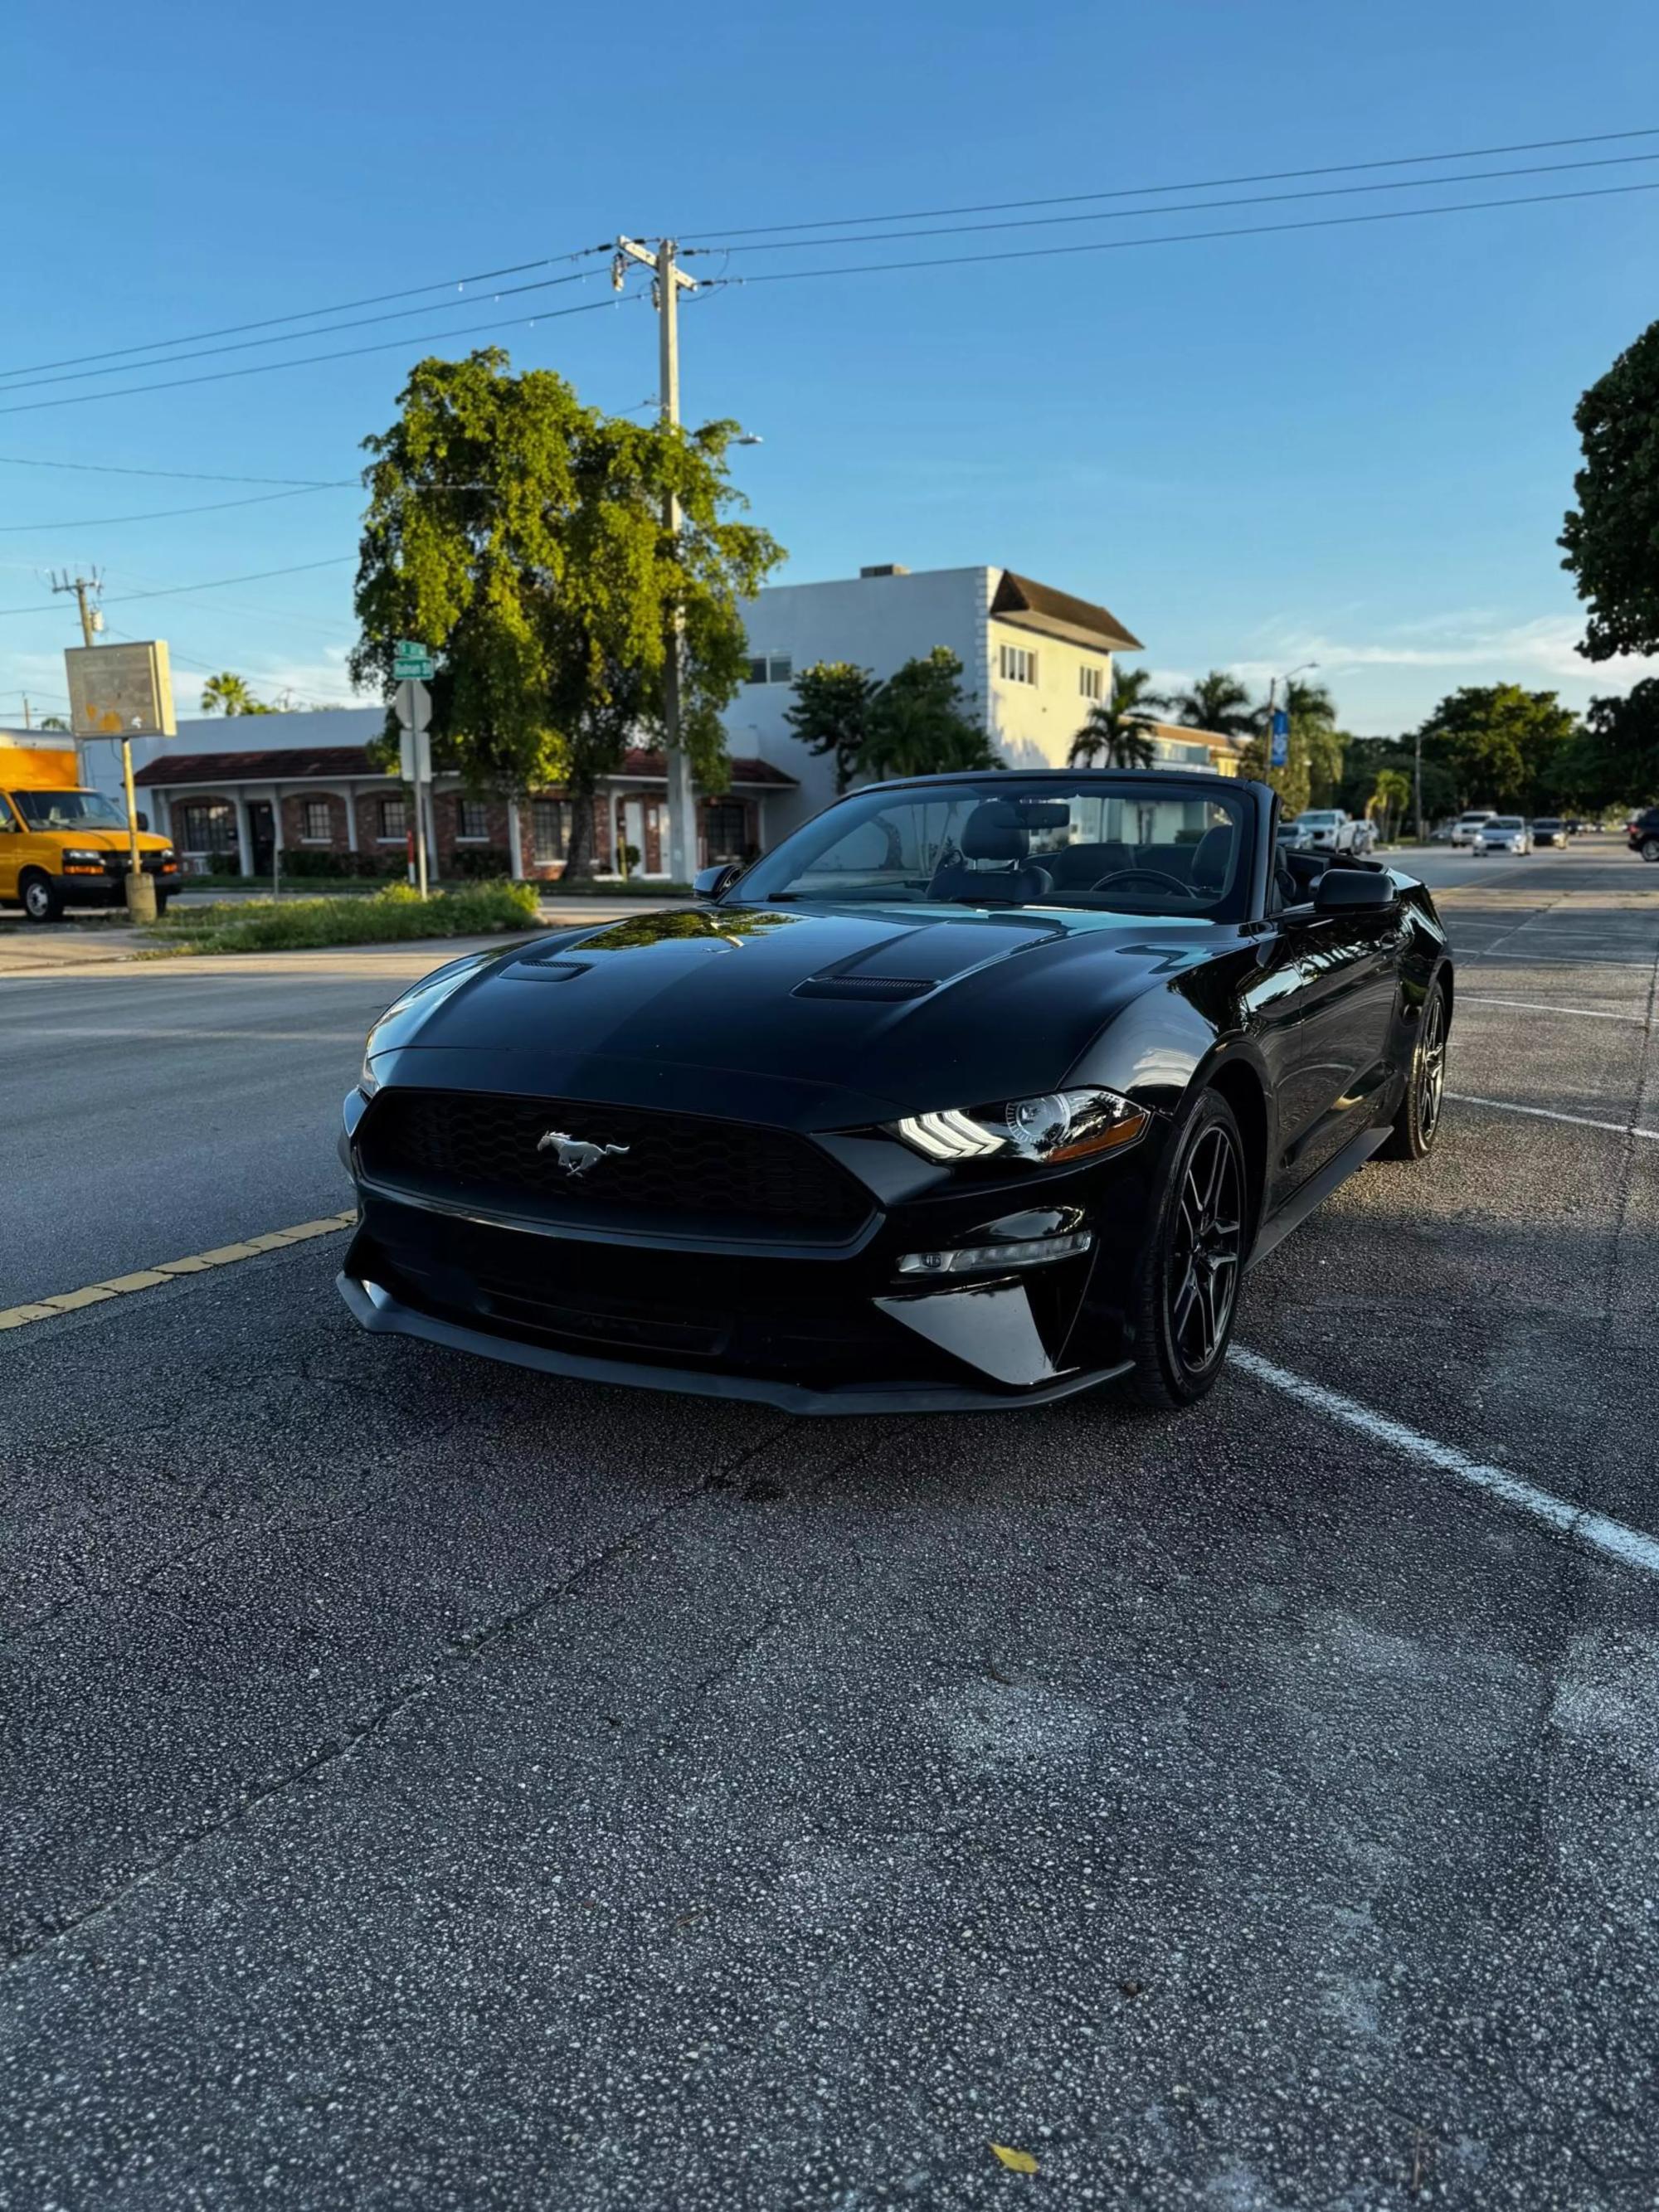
x,y
1217,702
54,722
1117,728
226,694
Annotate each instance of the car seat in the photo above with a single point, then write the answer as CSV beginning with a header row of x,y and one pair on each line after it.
x,y
994,831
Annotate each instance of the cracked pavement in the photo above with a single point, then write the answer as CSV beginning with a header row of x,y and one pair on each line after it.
x,y
431,1783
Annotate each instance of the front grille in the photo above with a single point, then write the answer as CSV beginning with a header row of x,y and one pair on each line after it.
x,y
684,1170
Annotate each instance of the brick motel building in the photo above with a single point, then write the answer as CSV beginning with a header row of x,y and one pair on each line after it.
x,y
223,810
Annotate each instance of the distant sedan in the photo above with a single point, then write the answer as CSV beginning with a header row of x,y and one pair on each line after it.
x,y
1503,833
1548,829
979,1090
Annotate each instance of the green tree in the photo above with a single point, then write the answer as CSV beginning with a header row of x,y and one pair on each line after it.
x,y
519,534
1217,702
833,712
228,693
1498,743
1611,539
54,722
1620,765
1312,774
922,724
1119,729
1393,794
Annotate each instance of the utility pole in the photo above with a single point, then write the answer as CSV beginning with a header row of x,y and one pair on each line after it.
x,y
28,725
670,280
91,620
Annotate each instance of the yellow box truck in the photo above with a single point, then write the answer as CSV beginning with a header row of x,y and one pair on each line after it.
x,y
62,845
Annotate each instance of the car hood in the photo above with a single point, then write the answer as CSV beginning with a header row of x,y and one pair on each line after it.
x,y
825,1015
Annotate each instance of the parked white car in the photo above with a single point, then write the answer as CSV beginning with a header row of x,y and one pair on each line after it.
x,y
1467,827
1503,833
1327,830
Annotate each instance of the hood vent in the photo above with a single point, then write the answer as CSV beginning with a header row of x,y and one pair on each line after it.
x,y
549,968
864,987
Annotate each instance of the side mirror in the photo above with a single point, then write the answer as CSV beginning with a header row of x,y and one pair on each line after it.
x,y
709,883
1353,890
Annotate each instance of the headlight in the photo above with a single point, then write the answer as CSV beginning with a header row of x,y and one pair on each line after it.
x,y
73,853
1045,1131
368,1082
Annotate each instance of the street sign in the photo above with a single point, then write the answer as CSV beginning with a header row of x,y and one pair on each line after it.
x,y
415,756
414,705
412,661
1279,755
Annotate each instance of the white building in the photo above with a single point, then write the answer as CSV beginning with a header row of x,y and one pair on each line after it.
x,y
1034,659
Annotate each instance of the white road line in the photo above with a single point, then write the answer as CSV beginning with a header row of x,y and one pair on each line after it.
x,y
1524,959
1549,1114
1630,1547
1539,1006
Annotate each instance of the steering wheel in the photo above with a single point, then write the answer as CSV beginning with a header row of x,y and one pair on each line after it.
x,y
1146,876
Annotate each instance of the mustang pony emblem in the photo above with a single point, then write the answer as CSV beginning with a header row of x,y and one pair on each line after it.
x,y
574,1154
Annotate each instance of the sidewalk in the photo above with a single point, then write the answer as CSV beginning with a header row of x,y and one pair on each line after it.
x,y
61,948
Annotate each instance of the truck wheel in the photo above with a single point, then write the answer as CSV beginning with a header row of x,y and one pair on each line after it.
x,y
40,901
161,898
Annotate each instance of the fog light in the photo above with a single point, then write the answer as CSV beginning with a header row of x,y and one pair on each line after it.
x,y
970,1259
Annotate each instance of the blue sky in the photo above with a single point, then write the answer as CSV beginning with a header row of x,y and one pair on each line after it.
x,y
1353,444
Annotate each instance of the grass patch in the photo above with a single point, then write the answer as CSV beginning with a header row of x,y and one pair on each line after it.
x,y
382,917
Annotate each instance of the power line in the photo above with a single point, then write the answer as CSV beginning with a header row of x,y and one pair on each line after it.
x,y
287,337
306,314
1171,238
1181,207
183,591
183,475
161,514
1191,185
306,360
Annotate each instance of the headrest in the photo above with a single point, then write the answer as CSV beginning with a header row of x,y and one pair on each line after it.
x,y
994,831
1213,856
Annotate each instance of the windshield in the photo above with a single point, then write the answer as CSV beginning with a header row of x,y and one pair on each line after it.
x,y
1319,821
1138,846
1506,821
67,810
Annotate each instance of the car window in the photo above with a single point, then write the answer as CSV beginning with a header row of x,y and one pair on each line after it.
x,y
1142,845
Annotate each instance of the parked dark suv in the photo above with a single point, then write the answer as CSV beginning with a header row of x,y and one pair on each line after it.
x,y
1643,833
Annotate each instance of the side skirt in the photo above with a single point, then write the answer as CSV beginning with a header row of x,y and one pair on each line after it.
x,y
1296,1209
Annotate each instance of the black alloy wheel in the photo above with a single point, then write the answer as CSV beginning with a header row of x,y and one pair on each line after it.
x,y
1650,849
1191,1278
1418,1121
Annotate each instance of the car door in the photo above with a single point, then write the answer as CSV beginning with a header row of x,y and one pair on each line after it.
x,y
11,839
1342,1014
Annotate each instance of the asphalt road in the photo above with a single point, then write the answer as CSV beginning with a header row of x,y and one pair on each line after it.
x,y
434,1783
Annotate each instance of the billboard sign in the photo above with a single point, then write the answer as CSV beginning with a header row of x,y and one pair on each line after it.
x,y
121,690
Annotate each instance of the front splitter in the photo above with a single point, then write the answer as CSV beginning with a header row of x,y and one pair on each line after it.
x,y
382,1314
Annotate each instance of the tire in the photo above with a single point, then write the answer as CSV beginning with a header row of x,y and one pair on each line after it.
x,y
1417,1124
1186,1298
161,898
1650,849
41,902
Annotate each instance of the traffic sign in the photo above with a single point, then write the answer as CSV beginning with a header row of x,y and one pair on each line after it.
x,y
411,660
1279,752
415,756
414,705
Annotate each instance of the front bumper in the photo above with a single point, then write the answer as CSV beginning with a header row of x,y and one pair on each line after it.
x,y
107,886
812,1328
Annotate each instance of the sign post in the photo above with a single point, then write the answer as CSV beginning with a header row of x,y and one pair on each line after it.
x,y
415,751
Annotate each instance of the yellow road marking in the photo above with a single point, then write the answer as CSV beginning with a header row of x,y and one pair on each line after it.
x,y
150,1279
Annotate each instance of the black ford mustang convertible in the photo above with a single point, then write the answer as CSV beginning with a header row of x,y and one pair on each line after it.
x,y
977,1091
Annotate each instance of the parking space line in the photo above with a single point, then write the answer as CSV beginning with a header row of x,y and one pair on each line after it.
x,y
151,1278
1524,959
1551,1113
1613,1540
1540,1006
